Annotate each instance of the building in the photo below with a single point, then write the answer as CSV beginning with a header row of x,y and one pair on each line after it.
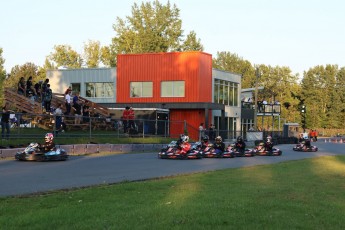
x,y
182,83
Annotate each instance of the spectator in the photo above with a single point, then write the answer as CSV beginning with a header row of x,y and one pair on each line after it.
x,y
131,117
59,124
69,89
48,98
30,90
201,130
44,89
125,117
5,121
211,132
21,86
68,101
86,112
76,97
38,89
77,112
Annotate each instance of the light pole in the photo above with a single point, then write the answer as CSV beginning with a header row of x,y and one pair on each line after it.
x,y
257,75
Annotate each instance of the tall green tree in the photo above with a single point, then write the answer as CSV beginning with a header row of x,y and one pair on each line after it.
x,y
152,27
233,63
320,88
2,76
26,70
92,53
65,56
192,43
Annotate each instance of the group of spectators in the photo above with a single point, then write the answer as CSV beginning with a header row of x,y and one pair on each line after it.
x,y
39,92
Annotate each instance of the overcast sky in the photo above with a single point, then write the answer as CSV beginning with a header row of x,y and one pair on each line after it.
x,y
299,34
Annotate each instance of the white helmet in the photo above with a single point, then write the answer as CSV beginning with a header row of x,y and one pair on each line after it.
x,y
49,137
185,139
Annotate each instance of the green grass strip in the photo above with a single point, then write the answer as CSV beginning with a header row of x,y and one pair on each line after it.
x,y
305,194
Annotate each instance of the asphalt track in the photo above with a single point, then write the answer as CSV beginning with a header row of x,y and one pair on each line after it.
x,y
19,178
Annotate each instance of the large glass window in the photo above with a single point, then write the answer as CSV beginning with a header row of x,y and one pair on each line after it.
x,y
225,92
141,89
172,89
99,89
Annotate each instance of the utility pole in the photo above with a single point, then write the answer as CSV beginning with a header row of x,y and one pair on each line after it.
x,y
257,75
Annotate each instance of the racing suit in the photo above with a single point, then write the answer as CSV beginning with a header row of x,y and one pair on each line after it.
x,y
48,146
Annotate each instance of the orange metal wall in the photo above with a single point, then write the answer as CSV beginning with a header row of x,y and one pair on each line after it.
x,y
195,68
193,117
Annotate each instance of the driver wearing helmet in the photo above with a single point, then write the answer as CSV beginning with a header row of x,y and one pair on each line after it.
x,y
306,143
269,144
219,145
49,143
179,141
240,145
205,142
184,146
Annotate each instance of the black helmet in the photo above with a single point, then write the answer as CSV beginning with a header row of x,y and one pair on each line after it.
x,y
205,138
239,138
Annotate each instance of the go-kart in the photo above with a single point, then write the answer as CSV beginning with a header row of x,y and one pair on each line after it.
x,y
261,151
240,153
171,151
210,152
33,153
301,148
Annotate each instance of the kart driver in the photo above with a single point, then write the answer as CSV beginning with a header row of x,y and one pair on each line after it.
x,y
49,144
306,144
205,142
185,146
219,146
240,145
269,144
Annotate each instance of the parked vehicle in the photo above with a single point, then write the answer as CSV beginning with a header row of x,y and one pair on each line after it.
x,y
33,153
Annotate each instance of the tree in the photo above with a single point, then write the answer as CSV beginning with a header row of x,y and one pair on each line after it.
x,y
92,54
65,56
153,27
192,43
2,76
233,63
26,70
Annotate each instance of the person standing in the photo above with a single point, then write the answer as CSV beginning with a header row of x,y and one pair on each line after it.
x,y
125,117
30,89
21,86
131,117
5,121
201,131
48,96
77,112
68,102
211,132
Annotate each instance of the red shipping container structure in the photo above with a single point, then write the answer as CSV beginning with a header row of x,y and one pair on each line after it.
x,y
178,81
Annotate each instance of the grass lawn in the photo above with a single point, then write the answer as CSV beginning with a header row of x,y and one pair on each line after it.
x,y
305,194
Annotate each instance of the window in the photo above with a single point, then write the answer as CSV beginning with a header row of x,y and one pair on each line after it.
x,y
141,89
75,88
172,89
99,89
225,92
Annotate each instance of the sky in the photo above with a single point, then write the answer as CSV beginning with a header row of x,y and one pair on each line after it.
x,y
299,34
